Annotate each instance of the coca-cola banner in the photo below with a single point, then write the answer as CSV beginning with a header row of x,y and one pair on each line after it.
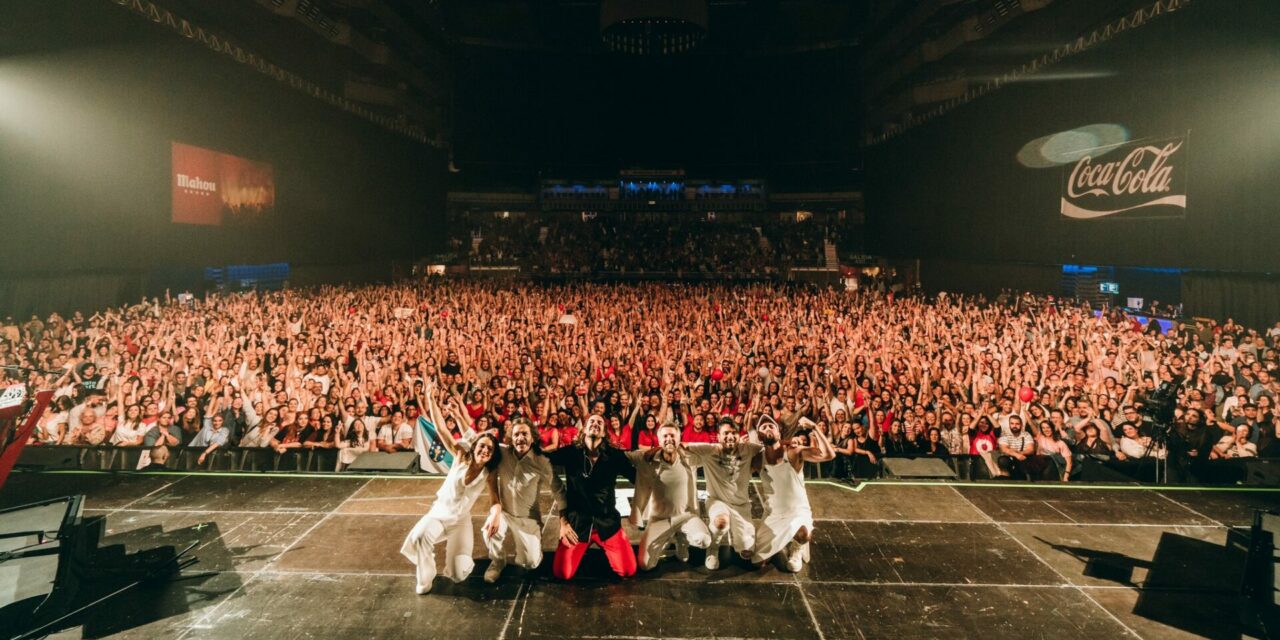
x,y
211,188
1140,179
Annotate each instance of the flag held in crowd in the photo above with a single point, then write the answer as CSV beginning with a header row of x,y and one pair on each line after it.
x,y
432,456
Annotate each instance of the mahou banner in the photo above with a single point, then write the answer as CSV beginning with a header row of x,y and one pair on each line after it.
x,y
210,187
1141,179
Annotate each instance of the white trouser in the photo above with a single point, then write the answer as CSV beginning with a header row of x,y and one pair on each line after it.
x,y
740,530
776,531
661,533
420,547
524,534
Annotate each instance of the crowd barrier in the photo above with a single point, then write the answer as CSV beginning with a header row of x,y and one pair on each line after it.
x,y
963,468
318,460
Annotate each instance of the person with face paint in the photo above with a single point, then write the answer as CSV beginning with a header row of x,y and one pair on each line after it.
x,y
670,483
727,466
513,531
449,519
590,515
787,526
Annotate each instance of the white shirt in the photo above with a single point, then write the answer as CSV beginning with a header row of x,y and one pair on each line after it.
x,y
455,496
520,480
128,433
259,436
672,485
404,432
727,474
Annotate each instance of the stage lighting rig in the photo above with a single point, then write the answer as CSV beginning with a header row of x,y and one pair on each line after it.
x,y
653,27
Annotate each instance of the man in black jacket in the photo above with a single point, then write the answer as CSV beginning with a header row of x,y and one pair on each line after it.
x,y
591,467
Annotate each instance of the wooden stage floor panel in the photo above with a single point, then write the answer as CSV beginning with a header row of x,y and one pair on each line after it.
x,y
318,558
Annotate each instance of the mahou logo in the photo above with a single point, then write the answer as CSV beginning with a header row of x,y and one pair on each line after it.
x,y
195,184
1144,179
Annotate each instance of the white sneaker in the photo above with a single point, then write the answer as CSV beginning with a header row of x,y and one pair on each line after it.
x,y
494,571
713,557
682,550
422,590
793,556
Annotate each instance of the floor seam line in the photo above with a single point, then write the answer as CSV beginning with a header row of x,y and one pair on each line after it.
x,y
204,618
1189,509
1044,562
813,619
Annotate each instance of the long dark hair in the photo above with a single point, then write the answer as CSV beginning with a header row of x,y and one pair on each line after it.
x,y
536,445
493,442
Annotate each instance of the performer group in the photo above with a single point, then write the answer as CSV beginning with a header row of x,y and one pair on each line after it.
x,y
665,505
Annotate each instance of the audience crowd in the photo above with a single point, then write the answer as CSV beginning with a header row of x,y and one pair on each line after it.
x,y
608,245
1027,387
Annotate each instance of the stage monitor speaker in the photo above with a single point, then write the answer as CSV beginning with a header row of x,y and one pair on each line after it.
x,y
918,468
379,461
1262,473
1260,606
49,458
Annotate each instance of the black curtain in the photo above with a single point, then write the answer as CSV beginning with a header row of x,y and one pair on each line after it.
x,y
23,296
1251,300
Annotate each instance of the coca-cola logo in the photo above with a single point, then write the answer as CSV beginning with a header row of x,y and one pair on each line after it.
x,y
1141,179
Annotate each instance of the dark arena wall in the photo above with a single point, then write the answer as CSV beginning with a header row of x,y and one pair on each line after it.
x,y
953,188
85,172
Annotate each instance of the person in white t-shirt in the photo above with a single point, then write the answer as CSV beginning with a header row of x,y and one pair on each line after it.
x,y
727,466
672,505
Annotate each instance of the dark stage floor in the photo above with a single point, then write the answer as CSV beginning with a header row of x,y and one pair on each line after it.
x,y
316,557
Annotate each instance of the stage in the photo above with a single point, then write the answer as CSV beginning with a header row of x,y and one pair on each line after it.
x,y
317,557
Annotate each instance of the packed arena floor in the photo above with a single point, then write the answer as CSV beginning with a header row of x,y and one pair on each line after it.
x,y
1028,388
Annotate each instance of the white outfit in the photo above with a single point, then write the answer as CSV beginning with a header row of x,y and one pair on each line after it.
x,y
786,510
671,505
519,534
449,520
128,432
260,436
348,451
728,476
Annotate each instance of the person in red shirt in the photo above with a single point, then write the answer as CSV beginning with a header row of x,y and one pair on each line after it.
x,y
619,434
568,430
549,435
647,438
698,431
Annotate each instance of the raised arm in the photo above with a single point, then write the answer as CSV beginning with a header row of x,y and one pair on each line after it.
x,y
819,449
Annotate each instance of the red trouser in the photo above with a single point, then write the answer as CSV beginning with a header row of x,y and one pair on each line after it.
x,y
617,549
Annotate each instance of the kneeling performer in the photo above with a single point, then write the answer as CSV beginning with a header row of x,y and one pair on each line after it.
x,y
514,528
590,513
449,519
727,466
669,482
787,526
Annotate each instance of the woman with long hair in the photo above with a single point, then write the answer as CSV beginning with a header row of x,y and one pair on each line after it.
x,y
1050,448
449,519
356,442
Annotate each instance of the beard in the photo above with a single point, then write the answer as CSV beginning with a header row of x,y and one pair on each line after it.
x,y
768,440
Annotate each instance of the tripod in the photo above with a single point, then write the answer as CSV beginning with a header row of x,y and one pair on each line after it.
x,y
1159,442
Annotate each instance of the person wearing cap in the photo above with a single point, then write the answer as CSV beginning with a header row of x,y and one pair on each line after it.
x,y
787,526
